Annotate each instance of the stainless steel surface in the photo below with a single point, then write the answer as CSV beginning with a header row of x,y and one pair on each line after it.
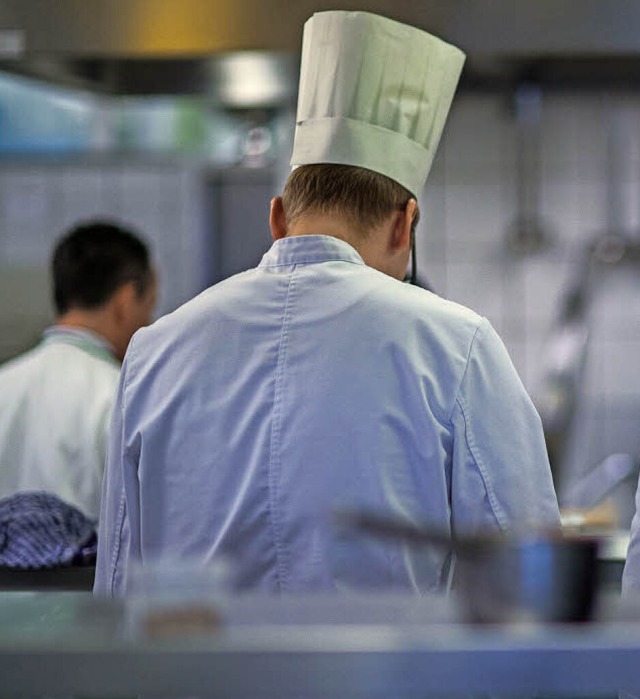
x,y
143,46
360,647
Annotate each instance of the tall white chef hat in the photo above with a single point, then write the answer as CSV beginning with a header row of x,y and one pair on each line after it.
x,y
373,93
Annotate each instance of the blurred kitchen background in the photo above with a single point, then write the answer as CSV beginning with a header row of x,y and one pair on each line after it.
x,y
177,116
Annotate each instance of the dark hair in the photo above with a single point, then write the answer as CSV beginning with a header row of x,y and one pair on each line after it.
x,y
363,197
93,260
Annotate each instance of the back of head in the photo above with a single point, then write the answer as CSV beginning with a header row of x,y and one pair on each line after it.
x,y
92,261
361,197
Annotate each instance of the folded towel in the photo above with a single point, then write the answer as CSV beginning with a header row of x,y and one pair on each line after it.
x,y
39,530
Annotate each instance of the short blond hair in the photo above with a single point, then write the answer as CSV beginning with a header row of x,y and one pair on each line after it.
x,y
362,197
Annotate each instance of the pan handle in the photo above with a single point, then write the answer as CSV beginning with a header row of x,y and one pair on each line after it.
x,y
390,527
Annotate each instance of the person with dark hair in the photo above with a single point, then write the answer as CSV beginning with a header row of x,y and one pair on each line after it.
x,y
320,381
56,399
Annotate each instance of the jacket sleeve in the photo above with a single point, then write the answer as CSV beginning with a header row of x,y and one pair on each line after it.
x,y
114,535
500,477
631,573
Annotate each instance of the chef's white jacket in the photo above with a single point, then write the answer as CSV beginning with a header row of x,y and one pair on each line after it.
x,y
55,409
631,573
312,383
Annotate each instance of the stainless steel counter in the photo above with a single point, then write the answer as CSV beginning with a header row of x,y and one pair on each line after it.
x,y
375,646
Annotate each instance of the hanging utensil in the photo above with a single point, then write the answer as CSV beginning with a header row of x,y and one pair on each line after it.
x,y
528,233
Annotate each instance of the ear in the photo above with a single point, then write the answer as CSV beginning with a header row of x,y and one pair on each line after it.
x,y
123,299
277,219
401,234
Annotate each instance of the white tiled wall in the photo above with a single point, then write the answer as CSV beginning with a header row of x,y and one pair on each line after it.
x,y
469,203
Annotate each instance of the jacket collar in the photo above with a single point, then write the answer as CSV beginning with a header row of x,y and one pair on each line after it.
x,y
82,338
309,249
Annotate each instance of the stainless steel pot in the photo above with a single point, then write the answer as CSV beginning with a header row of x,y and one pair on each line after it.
x,y
539,576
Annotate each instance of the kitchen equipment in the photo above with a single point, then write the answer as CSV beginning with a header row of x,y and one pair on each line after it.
x,y
537,576
602,518
528,233
561,388
564,358
612,481
173,596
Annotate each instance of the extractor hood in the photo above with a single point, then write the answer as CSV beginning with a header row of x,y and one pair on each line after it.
x,y
174,46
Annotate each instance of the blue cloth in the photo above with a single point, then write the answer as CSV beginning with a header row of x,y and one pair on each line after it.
x,y
38,530
310,383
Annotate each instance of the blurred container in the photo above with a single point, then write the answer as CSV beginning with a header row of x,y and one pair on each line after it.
x,y
173,597
537,578
540,576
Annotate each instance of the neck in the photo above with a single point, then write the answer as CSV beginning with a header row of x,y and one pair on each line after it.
x,y
97,322
372,245
366,243
328,225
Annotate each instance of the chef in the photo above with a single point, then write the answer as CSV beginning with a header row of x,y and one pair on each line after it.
x,y
631,572
56,399
319,380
